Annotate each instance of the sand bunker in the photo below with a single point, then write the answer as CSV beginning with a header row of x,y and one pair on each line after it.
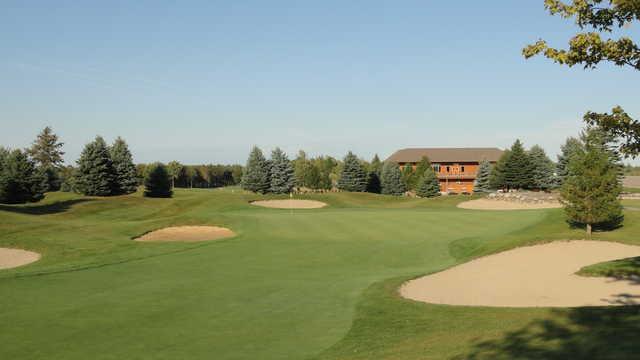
x,y
290,204
187,234
10,258
540,275
486,204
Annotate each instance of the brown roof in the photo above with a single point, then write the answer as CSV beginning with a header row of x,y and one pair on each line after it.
x,y
446,155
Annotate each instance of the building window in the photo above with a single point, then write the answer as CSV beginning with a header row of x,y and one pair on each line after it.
x,y
436,168
462,169
448,169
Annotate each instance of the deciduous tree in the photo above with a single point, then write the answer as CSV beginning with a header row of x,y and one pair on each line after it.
x,y
590,48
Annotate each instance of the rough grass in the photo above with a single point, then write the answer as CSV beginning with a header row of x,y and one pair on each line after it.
x,y
292,285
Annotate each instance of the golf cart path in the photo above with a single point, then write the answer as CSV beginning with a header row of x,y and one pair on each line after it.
x,y
531,276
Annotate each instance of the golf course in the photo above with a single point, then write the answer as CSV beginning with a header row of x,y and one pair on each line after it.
x,y
317,283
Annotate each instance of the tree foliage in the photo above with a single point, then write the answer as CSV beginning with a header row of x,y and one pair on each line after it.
x,y
429,185
571,147
482,182
391,179
125,175
47,153
175,169
256,173
590,191
95,173
590,48
542,169
497,179
157,181
517,168
20,180
353,176
282,173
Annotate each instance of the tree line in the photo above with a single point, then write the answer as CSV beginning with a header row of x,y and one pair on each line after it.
x,y
280,175
101,170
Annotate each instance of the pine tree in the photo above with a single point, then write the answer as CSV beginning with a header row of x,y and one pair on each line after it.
x,y
20,180
373,183
376,165
429,185
570,147
421,168
47,153
353,177
591,189
517,169
157,182
483,178
95,174
391,179
282,174
256,173
497,178
543,168
125,174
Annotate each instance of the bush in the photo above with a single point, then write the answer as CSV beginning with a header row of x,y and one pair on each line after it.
x,y
157,182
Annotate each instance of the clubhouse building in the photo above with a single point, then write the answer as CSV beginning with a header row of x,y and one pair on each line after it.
x,y
456,168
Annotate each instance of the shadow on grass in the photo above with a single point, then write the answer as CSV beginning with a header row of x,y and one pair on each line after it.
x,y
54,208
578,333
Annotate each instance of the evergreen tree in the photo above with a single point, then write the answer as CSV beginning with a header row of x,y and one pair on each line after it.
x,y
391,179
429,185
483,178
591,189
175,169
376,165
353,176
157,182
497,178
256,173
517,168
125,172
543,168
282,173
570,147
409,176
20,180
421,168
95,173
47,153
373,183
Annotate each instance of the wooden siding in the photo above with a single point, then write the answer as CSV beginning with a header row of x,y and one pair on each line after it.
x,y
457,177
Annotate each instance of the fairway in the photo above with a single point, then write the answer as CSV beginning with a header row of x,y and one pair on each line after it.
x,y
293,284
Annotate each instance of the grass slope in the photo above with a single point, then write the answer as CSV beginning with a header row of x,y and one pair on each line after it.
x,y
292,284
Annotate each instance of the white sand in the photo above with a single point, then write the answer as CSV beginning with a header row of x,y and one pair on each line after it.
x,y
486,204
290,204
10,258
541,275
187,234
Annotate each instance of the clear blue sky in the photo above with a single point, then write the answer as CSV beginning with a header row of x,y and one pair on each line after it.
x,y
202,82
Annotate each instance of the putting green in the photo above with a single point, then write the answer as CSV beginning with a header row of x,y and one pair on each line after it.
x,y
289,285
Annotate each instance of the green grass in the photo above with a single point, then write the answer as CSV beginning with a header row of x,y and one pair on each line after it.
x,y
631,190
292,285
